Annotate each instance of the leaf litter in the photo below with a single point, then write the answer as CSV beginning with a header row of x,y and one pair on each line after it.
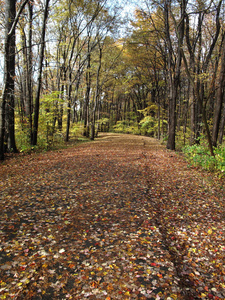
x,y
119,218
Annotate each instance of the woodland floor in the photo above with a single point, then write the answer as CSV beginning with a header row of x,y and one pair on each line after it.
x,y
118,218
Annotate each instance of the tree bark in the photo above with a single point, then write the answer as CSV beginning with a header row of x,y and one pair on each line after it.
x,y
174,70
222,124
37,99
68,108
7,103
29,69
219,99
96,92
26,80
87,94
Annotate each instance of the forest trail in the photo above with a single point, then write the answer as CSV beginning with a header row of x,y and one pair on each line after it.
x,y
117,218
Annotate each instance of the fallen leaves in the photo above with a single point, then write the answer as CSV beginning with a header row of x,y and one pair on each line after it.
x,y
112,219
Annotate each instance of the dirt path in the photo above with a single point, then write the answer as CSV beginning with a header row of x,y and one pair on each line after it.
x,y
118,218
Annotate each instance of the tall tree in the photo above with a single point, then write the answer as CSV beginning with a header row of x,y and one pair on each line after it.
x,y
97,91
40,66
7,125
198,85
219,97
27,68
174,66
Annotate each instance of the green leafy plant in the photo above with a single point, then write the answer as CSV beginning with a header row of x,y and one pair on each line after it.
x,y
199,155
182,137
220,156
148,126
126,126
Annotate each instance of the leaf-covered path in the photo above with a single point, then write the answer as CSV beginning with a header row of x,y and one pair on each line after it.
x,y
119,218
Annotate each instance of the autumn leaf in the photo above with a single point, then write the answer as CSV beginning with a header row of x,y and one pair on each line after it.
x,y
106,220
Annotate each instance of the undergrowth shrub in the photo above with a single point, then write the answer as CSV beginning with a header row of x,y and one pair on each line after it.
x,y
199,155
126,126
49,137
149,126
22,140
220,156
182,138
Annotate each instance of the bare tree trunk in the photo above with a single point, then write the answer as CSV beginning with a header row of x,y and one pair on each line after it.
x,y
7,103
37,99
63,74
97,92
75,114
26,82
69,107
174,70
219,99
87,95
29,68
222,125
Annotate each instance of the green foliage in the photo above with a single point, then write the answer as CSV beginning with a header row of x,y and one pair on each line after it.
x,y
182,138
45,131
76,130
149,126
49,137
126,126
199,155
220,157
149,110
103,121
46,140
22,137
49,104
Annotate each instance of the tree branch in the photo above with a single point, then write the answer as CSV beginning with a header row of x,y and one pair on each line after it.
x,y
17,17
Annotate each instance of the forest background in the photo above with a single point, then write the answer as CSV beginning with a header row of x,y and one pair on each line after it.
x,y
74,68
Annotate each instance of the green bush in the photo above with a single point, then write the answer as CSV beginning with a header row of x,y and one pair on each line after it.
x,y
22,139
126,126
220,157
182,137
76,130
149,126
199,155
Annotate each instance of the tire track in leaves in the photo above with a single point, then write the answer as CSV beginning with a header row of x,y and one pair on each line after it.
x,y
177,257
189,232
